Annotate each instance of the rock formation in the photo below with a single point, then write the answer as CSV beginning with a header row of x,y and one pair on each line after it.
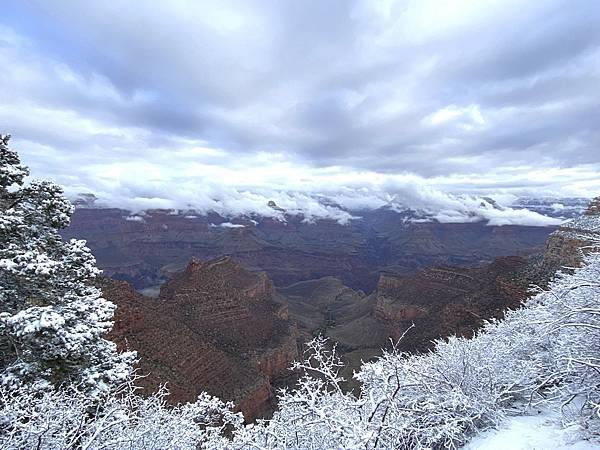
x,y
439,302
594,207
567,246
215,327
443,301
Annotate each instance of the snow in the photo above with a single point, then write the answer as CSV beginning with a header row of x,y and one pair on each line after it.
x,y
539,432
135,219
585,223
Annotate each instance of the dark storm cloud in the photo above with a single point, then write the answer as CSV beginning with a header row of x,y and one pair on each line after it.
x,y
434,89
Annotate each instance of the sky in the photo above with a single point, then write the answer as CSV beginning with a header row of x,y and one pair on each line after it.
x,y
225,105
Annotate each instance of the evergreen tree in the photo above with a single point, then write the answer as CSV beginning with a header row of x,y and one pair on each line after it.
x,y
52,319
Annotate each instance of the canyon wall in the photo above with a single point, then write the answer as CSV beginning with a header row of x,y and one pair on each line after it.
x,y
567,246
215,327
148,249
443,301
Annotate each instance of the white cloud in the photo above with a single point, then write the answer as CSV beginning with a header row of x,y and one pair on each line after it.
x,y
228,225
135,219
468,116
331,194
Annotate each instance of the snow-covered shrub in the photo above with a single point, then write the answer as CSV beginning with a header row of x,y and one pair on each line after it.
x,y
433,400
316,413
542,355
52,318
576,334
69,418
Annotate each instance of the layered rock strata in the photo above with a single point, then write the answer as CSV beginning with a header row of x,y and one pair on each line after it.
x,y
215,327
148,249
443,301
567,246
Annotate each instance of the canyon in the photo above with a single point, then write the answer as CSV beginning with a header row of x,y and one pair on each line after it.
x,y
223,326
146,249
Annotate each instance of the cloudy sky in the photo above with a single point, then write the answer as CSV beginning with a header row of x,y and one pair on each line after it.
x,y
223,105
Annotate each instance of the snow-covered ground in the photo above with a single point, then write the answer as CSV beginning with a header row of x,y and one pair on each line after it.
x,y
539,432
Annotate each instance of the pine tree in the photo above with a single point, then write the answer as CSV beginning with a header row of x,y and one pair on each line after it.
x,y
52,318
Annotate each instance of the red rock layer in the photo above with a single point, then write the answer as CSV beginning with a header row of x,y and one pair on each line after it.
x,y
442,301
215,327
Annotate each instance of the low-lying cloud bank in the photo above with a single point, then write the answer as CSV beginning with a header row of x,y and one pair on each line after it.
x,y
341,204
199,180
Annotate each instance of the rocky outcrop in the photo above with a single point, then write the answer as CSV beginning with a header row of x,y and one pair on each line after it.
x,y
593,208
215,327
442,301
277,360
567,246
439,301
